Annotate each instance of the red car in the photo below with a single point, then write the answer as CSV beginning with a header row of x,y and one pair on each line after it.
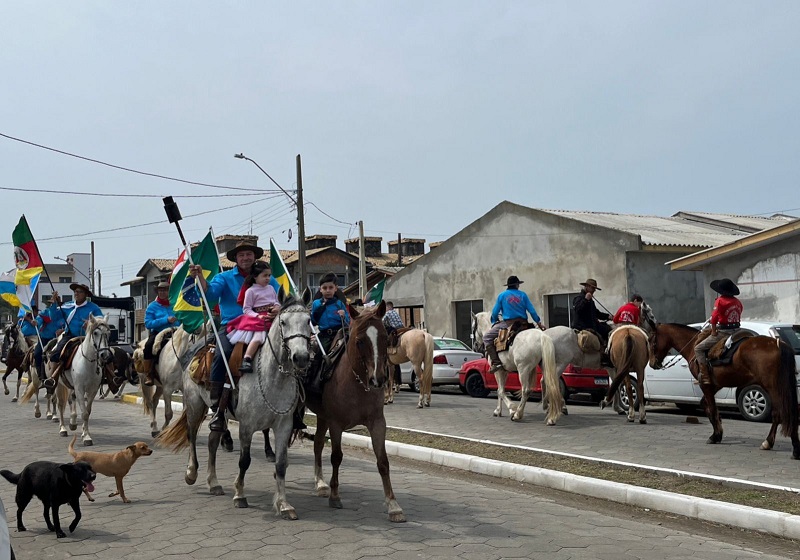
x,y
476,381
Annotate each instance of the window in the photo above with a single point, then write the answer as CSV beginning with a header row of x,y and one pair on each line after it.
x,y
559,309
66,298
449,344
64,279
791,336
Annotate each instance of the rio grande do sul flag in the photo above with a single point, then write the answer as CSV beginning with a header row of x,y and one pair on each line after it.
x,y
279,272
28,262
183,294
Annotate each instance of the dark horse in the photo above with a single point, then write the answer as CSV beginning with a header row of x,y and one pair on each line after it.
x,y
17,348
354,396
761,359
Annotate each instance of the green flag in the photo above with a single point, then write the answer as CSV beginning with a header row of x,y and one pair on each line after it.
x,y
375,295
279,272
183,294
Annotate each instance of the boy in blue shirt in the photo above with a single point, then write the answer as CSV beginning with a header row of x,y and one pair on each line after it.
x,y
513,305
329,314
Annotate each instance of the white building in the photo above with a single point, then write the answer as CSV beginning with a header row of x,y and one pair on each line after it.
x,y
77,268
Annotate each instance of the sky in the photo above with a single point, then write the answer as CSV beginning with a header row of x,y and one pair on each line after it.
x,y
415,117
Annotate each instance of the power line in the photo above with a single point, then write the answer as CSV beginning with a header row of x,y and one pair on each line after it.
x,y
328,215
117,195
128,169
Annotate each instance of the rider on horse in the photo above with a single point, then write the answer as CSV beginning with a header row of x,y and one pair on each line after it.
x,y
725,321
224,288
513,305
392,322
159,316
329,314
27,326
78,312
630,313
51,324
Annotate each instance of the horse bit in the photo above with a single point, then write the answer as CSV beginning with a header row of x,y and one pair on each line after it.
x,y
285,350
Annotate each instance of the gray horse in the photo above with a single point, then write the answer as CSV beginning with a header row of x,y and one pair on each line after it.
x,y
266,399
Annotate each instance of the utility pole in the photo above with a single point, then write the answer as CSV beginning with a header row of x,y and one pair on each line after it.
x,y
362,262
301,230
399,250
92,275
99,284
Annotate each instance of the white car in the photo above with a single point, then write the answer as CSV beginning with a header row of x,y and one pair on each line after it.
x,y
449,354
675,384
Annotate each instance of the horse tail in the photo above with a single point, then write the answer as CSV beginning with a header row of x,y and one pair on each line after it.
x,y
787,386
176,436
426,380
147,397
555,400
625,367
30,390
71,447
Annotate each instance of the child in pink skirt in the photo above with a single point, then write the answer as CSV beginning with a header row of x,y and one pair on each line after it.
x,y
257,299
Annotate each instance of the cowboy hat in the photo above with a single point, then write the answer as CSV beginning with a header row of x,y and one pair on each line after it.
x,y
76,286
162,284
244,246
591,282
725,287
513,280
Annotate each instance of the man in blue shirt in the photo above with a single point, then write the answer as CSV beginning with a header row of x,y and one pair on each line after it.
x,y
51,323
158,316
27,325
224,288
513,305
78,312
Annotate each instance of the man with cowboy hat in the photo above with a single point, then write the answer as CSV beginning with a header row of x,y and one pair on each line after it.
x,y
159,316
224,288
725,321
513,305
77,311
585,313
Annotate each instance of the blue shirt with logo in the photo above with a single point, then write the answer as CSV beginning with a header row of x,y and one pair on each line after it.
x,y
512,304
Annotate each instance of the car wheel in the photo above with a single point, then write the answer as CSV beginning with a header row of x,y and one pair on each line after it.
x,y
474,385
754,404
626,400
414,383
462,388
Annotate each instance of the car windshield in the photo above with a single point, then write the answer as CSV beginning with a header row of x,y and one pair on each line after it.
x,y
449,344
791,336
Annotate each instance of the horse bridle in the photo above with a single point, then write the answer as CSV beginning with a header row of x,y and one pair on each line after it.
x,y
364,386
97,347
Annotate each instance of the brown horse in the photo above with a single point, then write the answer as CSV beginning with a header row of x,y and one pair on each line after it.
x,y
761,359
354,396
629,354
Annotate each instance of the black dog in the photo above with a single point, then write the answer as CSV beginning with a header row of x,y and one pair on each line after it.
x,y
54,484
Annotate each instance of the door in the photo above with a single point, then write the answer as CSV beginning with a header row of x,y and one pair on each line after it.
x,y
559,309
464,311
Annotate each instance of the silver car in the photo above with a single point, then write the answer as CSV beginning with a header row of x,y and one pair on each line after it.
x,y
676,384
449,354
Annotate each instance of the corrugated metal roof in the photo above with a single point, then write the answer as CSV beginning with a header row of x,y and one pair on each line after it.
x,y
754,223
657,230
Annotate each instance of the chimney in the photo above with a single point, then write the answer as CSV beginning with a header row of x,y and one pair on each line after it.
x,y
320,241
372,246
408,247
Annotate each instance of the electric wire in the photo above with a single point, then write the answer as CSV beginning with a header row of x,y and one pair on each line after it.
x,y
119,195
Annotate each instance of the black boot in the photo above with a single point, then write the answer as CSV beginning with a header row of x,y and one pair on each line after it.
x,y
219,402
51,382
40,372
494,359
247,365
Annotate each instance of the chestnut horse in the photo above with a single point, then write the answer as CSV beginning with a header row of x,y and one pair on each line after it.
x,y
760,359
353,396
627,346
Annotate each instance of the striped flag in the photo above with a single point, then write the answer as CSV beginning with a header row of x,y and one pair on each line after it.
x,y
279,272
29,264
8,290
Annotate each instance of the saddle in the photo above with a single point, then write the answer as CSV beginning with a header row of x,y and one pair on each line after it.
x,y
723,351
589,341
69,351
158,346
394,339
200,366
506,336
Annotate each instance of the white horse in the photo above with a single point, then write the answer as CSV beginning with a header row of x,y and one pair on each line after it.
x,y
267,399
531,347
170,372
79,383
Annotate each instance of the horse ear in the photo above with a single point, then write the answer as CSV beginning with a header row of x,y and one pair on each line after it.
x,y
307,295
281,295
352,310
380,311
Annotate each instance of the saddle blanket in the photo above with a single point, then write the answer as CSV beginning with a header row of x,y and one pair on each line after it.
x,y
633,328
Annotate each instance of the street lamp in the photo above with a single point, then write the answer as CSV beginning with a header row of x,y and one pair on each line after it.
x,y
301,229
73,268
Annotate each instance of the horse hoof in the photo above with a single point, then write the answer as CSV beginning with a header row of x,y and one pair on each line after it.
x,y
323,492
766,446
37,414
55,419
397,517
88,443
13,399
496,414
603,404
551,423
289,514
642,421
270,457
427,404
335,503
419,405
190,480
621,412
514,418
48,416
216,491
73,427
564,411
712,439
63,433
630,419
240,503
6,391
154,433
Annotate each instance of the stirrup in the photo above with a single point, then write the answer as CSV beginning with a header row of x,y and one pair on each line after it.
x,y
217,422
495,367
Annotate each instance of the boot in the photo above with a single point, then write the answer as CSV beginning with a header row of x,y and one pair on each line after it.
x,y
314,384
220,396
147,365
114,381
41,373
297,418
51,382
706,377
247,365
494,360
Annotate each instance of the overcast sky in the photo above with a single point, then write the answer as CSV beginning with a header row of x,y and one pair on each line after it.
x,y
415,117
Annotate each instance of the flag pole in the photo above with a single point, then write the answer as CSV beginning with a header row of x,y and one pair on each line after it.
x,y
174,217
49,280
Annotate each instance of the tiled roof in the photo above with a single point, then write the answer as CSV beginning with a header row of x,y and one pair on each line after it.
x,y
164,265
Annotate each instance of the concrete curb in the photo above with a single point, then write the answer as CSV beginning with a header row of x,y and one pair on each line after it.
x,y
755,519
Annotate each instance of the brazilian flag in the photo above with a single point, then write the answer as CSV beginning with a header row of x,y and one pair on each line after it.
x,y
184,295
279,272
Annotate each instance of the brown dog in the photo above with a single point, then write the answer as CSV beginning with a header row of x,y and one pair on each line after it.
x,y
112,464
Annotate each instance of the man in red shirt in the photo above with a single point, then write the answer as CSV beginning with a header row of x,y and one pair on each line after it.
x,y
725,320
629,313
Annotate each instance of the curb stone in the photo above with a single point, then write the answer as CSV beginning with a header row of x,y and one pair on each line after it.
x,y
745,517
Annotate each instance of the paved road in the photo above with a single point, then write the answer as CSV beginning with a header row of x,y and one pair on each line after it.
x,y
450,515
665,441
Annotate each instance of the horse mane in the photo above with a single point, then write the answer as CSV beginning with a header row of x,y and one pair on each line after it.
x,y
682,327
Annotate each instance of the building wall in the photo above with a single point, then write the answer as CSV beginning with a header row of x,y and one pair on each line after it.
x,y
675,296
551,254
768,278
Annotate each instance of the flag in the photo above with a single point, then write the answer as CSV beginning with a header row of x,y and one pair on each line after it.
x,y
183,294
279,272
375,295
8,290
28,261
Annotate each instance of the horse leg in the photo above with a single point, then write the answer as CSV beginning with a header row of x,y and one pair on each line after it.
x,y
713,414
37,412
377,431
62,404
418,373
767,444
640,393
525,382
631,408
193,419
73,412
214,486
283,432
320,486
19,384
245,441
121,390
268,452
85,406
334,500
167,398
5,385
501,375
